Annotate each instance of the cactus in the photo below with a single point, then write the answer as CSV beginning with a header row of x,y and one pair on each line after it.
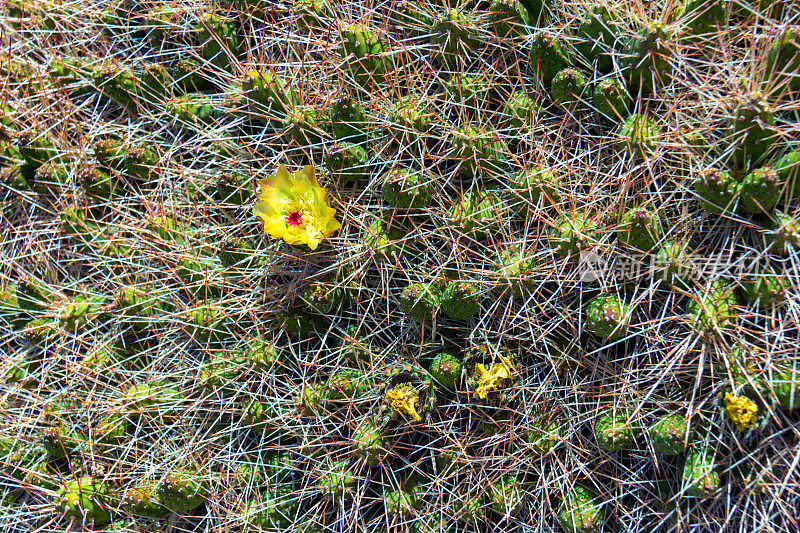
x,y
115,81
751,129
70,72
312,14
509,18
478,150
647,62
420,301
194,109
713,308
322,297
182,490
405,189
544,433
336,480
506,494
783,62
469,91
597,36
456,33
539,10
613,431
718,191
306,125
366,50
267,95
699,475
349,119
760,190
611,99
766,290
787,168
347,161
640,229
401,503
570,89
85,501
537,186
784,234
411,118
446,370
517,270
219,40
638,135
580,511
478,215
521,111
460,300
50,178
608,316
206,322
59,441
785,387
143,500
703,17
384,244
369,443
670,435
573,234
548,56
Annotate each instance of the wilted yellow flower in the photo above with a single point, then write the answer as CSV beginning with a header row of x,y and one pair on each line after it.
x,y
488,380
404,399
295,208
741,411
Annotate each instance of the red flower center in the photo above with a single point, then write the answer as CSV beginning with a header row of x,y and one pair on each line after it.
x,y
294,218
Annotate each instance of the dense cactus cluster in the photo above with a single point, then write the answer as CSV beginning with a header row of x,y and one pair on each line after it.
x,y
558,293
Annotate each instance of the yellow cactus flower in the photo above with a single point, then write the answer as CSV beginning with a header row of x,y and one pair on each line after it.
x,y
488,380
741,411
295,208
404,399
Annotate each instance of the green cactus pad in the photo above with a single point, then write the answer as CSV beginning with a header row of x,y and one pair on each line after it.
x,y
700,476
751,127
548,56
420,301
598,34
713,308
647,58
406,189
669,435
785,387
573,235
509,18
143,500
611,99
608,316
84,500
580,511
460,300
718,191
347,161
760,191
182,491
446,369
638,135
570,88
478,215
613,431
640,229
